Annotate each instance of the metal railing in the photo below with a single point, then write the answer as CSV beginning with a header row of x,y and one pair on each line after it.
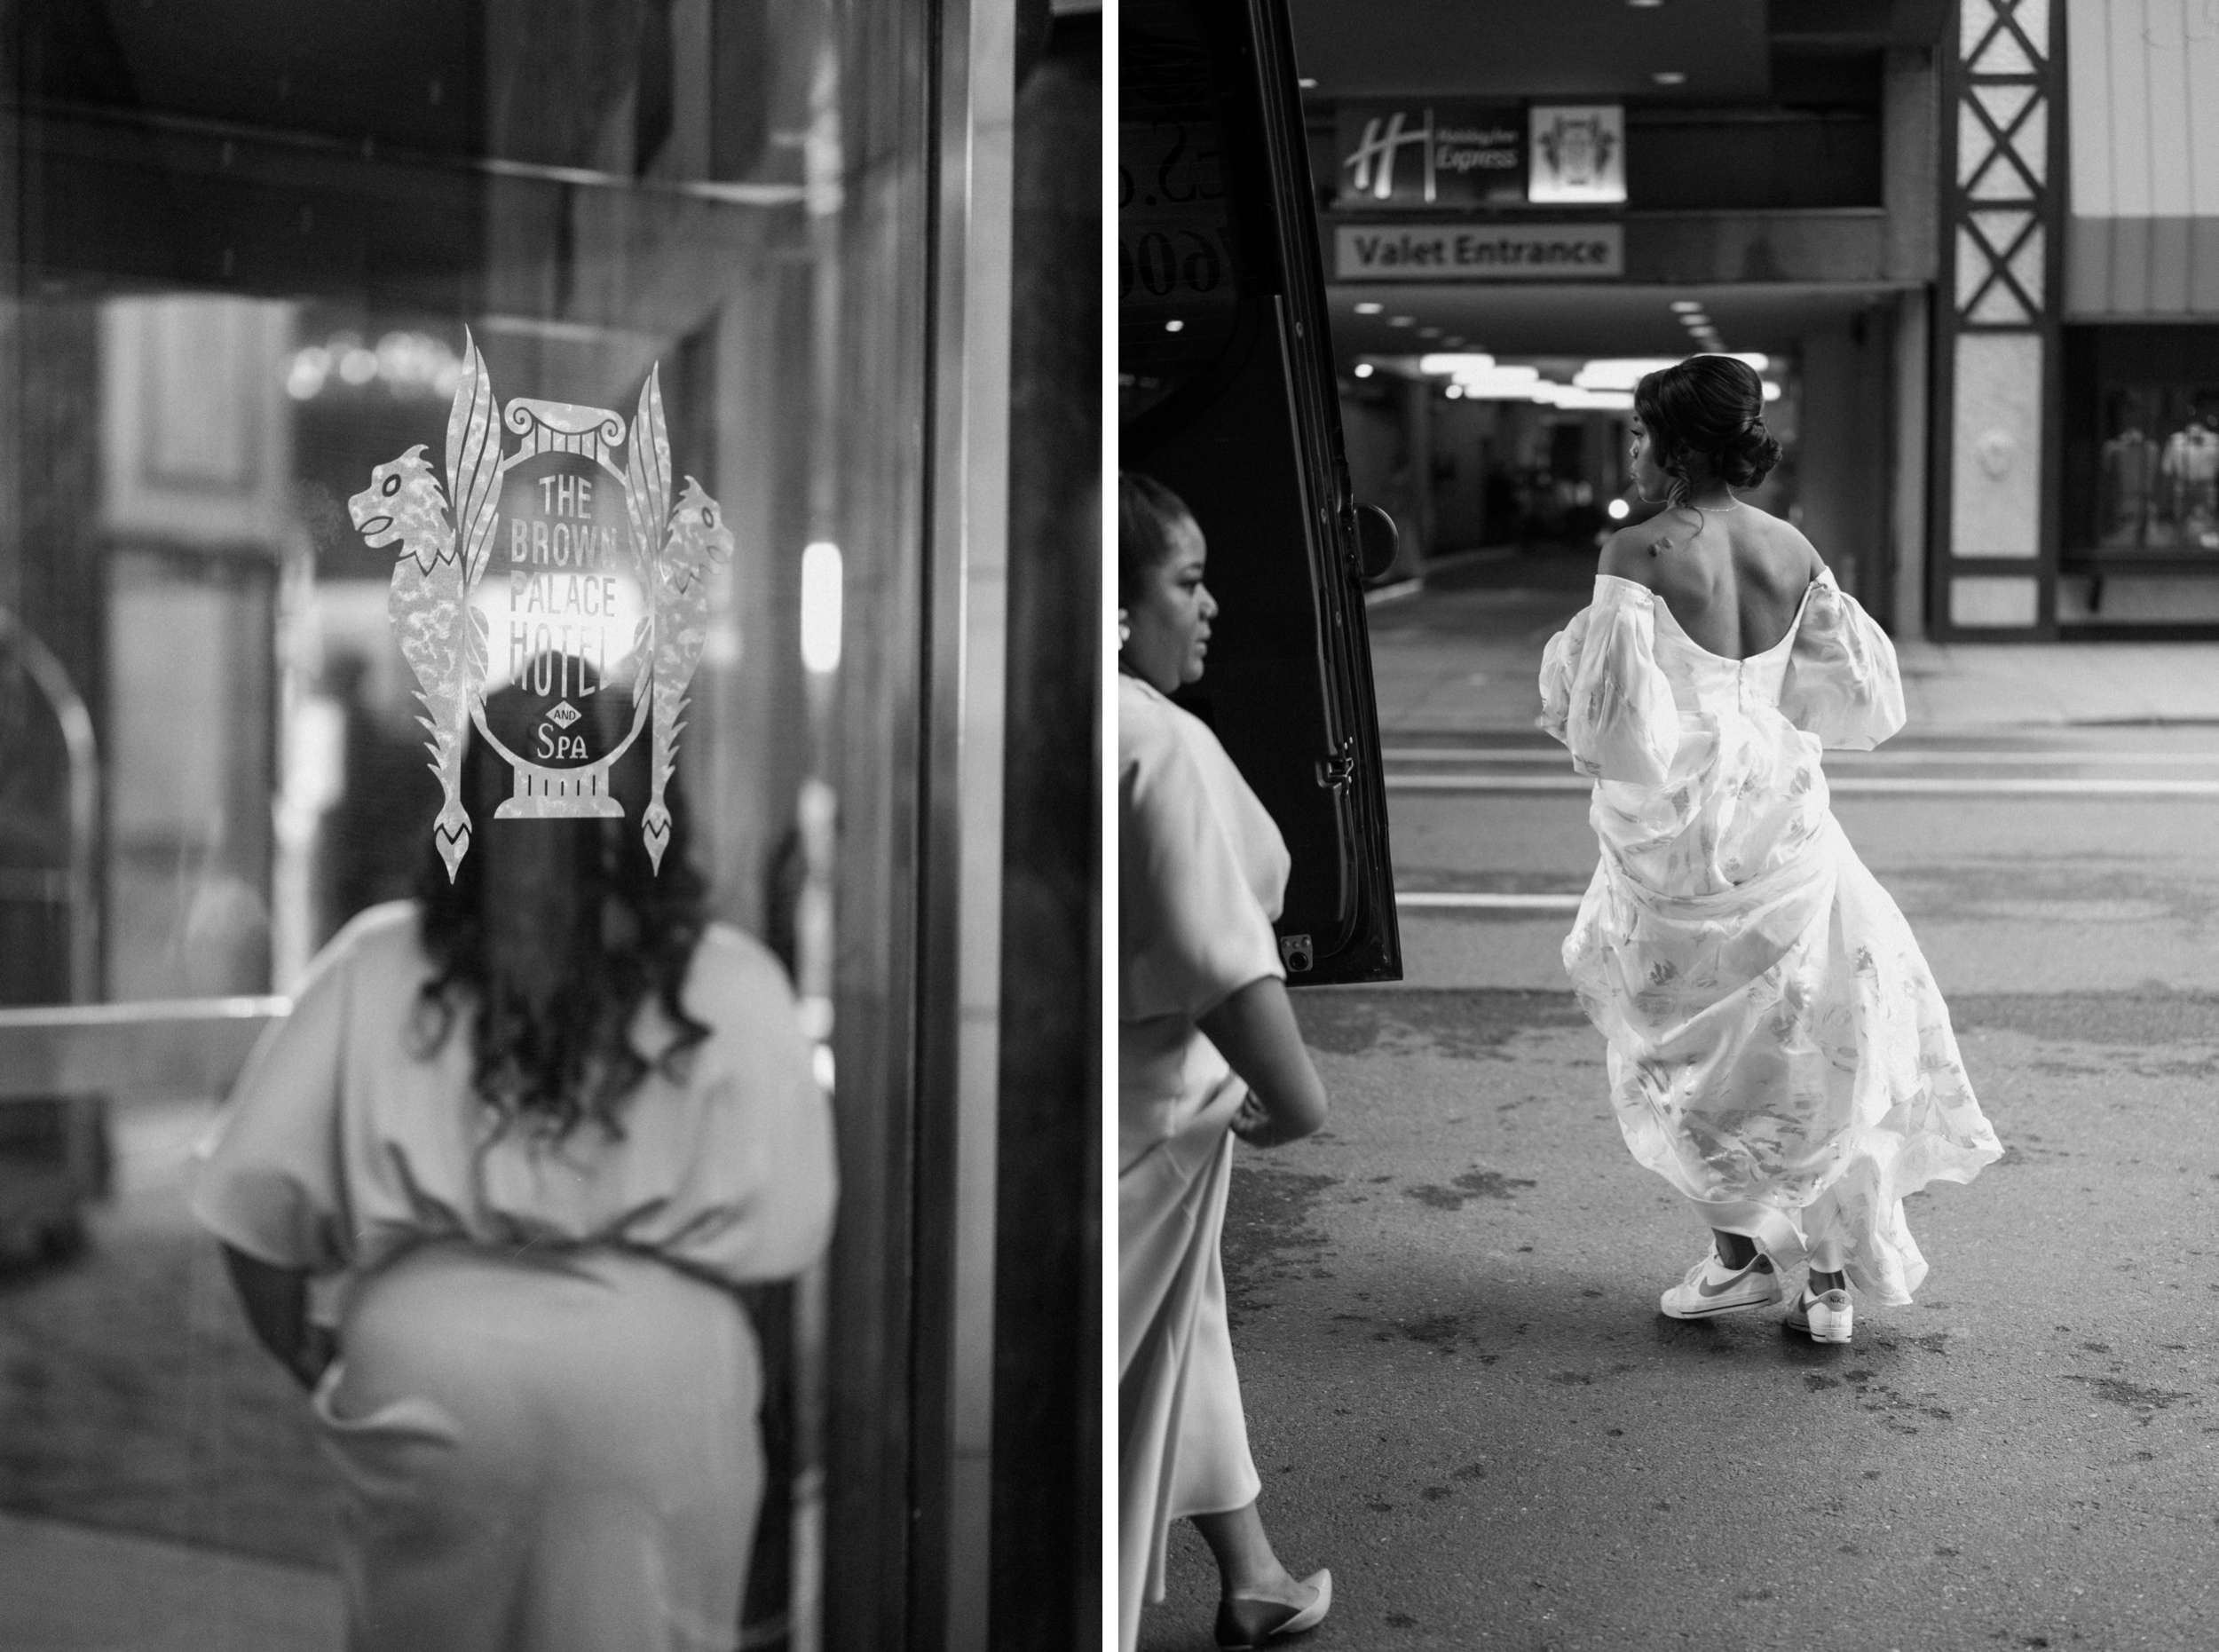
x,y
174,1047
79,888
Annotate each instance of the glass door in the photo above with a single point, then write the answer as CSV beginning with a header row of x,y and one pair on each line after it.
x,y
255,257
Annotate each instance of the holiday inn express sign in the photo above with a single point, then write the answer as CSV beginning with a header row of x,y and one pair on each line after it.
x,y
1478,252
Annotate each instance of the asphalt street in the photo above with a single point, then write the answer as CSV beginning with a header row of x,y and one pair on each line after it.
x,y
1460,1394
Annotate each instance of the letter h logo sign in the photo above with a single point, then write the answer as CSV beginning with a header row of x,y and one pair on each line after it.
x,y
1373,161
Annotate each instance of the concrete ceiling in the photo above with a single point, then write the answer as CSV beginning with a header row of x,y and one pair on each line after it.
x,y
1535,48
1586,320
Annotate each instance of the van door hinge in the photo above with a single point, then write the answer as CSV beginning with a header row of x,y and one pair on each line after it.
x,y
1335,772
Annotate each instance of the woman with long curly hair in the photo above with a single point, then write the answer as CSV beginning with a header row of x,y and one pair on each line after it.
x,y
1779,1051
536,1123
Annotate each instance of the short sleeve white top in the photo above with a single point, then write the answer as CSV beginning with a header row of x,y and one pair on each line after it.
x,y
1202,874
344,1142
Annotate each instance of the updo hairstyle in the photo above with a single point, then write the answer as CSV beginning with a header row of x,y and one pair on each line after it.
x,y
1149,519
1709,408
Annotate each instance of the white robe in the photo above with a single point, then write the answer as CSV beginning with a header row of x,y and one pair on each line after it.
x,y
1779,1051
543,1416
1202,871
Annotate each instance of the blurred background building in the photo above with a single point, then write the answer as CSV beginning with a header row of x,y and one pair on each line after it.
x,y
240,244
1971,246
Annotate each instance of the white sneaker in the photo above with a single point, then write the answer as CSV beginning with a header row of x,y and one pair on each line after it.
x,y
1824,1318
1711,1287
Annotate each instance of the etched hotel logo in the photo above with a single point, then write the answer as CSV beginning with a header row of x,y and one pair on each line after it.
x,y
606,589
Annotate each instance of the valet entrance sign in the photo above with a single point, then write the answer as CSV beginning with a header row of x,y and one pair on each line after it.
x,y
1478,252
600,586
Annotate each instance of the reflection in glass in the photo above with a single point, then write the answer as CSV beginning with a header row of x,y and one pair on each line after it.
x,y
2158,481
252,248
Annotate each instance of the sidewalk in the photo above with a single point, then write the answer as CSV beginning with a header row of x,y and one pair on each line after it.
x,y
1461,654
69,1588
161,1491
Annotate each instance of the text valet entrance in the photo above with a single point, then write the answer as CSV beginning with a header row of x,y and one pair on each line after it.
x,y
1478,252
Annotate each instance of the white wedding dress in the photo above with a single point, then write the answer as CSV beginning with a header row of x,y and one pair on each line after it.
x,y
1779,1051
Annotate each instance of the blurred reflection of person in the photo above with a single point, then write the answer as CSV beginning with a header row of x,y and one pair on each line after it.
x,y
2130,472
1779,1051
1207,1049
2191,458
541,1120
387,801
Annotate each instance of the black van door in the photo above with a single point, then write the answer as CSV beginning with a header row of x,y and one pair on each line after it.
x,y
1227,395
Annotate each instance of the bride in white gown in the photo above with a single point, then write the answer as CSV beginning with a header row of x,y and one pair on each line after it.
x,y
1779,1051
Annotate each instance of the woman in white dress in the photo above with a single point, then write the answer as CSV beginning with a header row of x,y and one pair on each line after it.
x,y
534,1127
1207,1049
1779,1051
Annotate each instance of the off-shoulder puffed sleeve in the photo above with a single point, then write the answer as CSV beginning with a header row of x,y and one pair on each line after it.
x,y
1841,684
271,1181
1602,692
1201,868
753,1180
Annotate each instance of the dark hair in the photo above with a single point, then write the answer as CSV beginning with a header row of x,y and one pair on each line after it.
x,y
552,1063
1149,517
1707,407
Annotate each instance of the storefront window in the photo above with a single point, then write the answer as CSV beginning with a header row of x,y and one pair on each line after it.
x,y
2160,470
2141,448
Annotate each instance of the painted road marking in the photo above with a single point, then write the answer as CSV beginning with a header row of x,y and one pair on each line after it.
x,y
2005,759
1841,785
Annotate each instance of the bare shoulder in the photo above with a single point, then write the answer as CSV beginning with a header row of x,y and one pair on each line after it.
x,y
1794,560
1630,552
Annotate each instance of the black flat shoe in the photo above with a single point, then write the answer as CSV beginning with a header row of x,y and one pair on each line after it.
x,y
1245,1621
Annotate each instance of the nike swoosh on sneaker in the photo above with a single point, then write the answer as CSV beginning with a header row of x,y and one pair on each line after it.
x,y
1703,1289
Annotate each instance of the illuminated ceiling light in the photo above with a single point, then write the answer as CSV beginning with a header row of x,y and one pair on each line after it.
x,y
1453,392
1364,369
1368,308
1771,390
1668,77
1645,5
1457,365
1573,399
1618,510
1174,327
358,366
1401,321
1620,372
1307,84
1429,332
310,367
1756,359
1500,384
1695,319
1455,341
1686,306
820,607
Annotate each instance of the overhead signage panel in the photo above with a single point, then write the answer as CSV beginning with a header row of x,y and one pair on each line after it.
x,y
1578,155
1438,154
1478,252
